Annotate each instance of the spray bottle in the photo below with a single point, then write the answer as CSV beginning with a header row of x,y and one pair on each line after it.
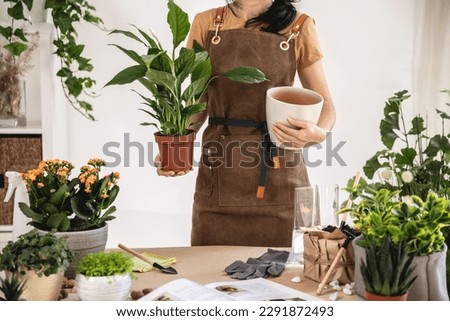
x,y
15,183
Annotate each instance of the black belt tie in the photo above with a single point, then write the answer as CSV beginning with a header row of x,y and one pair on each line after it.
x,y
269,150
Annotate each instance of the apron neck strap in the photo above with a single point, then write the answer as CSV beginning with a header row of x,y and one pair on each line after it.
x,y
218,22
299,23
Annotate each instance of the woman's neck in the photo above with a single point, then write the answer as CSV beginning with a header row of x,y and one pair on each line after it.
x,y
248,9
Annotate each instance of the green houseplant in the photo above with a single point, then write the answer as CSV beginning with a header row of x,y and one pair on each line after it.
x,y
410,202
40,259
387,270
75,67
76,208
12,288
164,73
104,276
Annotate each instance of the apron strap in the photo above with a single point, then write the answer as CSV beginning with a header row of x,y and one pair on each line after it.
x,y
269,150
294,32
218,23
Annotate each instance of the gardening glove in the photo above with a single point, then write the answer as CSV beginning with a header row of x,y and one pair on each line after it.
x,y
270,263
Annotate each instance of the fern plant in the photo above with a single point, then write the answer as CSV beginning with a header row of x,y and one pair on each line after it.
x,y
105,264
387,270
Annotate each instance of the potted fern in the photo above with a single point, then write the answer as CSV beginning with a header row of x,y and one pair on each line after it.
x,y
387,271
104,276
163,74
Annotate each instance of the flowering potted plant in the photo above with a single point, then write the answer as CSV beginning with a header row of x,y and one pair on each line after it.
x,y
77,208
163,75
410,202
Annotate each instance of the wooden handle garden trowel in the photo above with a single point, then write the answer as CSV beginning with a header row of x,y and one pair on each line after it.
x,y
169,270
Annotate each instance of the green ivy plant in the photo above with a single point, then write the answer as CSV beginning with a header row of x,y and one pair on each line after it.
x,y
387,270
163,75
74,65
44,253
105,264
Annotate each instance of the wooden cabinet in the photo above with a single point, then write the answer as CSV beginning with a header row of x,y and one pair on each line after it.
x,y
18,153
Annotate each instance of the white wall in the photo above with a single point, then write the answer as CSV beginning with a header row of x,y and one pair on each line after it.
x,y
368,49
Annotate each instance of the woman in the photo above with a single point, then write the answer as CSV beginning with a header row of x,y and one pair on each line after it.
x,y
241,198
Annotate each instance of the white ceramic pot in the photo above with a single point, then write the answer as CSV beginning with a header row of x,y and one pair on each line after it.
x,y
295,102
103,288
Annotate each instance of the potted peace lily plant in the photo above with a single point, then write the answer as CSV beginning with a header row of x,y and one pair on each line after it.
x,y
410,202
163,74
77,208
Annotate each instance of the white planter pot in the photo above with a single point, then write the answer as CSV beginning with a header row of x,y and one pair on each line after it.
x,y
287,101
103,288
430,284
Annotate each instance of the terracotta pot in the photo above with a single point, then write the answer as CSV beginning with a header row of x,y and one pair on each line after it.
x,y
177,152
377,297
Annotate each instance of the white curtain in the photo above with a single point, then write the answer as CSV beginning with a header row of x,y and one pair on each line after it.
x,y
431,60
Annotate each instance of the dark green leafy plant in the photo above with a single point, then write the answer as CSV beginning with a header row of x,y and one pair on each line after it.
x,y
105,264
74,65
387,270
423,163
163,75
12,288
44,253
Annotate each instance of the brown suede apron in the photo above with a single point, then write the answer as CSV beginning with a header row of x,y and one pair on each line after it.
x,y
236,158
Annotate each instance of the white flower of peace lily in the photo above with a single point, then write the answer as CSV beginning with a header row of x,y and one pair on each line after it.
x,y
408,200
407,177
386,174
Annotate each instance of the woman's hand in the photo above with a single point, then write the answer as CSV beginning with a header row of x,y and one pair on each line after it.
x,y
160,172
302,135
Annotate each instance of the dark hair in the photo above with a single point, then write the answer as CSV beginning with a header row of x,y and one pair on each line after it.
x,y
279,16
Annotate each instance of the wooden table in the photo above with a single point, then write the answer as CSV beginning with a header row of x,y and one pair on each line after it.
x,y
205,264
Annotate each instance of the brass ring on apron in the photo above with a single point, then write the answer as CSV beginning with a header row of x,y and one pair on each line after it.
x,y
215,40
284,45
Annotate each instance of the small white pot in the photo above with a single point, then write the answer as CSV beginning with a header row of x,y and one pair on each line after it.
x,y
103,288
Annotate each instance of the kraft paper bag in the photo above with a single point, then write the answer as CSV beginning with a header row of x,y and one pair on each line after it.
x,y
320,250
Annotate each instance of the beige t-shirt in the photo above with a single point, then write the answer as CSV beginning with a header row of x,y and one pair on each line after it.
x,y
307,48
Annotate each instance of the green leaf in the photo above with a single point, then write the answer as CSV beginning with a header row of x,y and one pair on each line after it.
x,y
442,114
16,11
28,3
162,78
248,75
406,157
6,32
59,222
193,109
74,86
132,54
387,127
178,21
60,195
16,48
129,34
128,75
184,64
417,126
20,34
28,212
195,89
152,43
437,144
203,69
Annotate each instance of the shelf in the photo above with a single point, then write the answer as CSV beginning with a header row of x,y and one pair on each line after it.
x,y
33,128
